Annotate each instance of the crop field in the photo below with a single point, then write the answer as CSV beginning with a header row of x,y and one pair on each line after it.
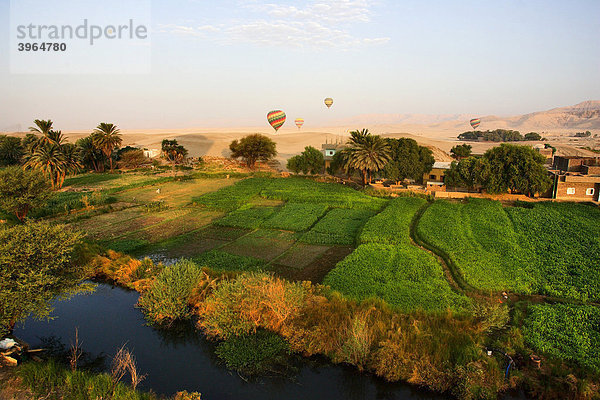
x,y
222,261
233,197
550,248
407,278
339,226
569,332
390,267
296,217
263,244
247,217
391,226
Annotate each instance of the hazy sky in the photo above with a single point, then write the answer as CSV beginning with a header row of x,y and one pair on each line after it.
x,y
229,62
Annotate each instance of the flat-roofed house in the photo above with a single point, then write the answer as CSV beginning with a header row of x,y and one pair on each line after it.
x,y
434,179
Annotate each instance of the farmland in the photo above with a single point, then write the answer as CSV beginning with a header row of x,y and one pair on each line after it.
x,y
390,267
361,248
568,332
546,248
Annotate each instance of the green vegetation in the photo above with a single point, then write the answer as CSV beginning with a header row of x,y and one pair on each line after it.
x,y
310,161
551,248
22,190
253,148
222,261
296,217
365,153
461,151
247,217
391,226
232,197
11,150
404,276
166,299
52,381
390,267
36,265
565,331
339,226
408,160
255,354
498,135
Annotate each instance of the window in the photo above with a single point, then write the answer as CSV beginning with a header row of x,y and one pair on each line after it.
x,y
570,190
432,177
589,192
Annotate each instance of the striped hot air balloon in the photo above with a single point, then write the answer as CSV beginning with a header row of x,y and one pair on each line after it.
x,y
299,122
329,102
475,122
276,119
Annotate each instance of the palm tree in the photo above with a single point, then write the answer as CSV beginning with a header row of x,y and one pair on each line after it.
x,y
43,127
51,161
71,161
106,137
366,153
89,155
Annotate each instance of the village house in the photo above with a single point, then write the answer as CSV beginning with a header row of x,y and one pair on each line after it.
x,y
329,150
576,178
434,179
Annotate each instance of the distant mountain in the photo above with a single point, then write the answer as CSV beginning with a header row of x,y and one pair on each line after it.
x,y
582,116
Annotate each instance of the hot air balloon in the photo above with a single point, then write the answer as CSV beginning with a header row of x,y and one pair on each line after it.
x,y
329,102
475,122
276,119
299,122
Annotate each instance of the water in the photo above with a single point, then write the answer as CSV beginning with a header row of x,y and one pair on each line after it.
x,y
182,359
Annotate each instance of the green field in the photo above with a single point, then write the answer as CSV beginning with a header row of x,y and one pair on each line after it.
x,y
339,226
568,332
390,267
546,248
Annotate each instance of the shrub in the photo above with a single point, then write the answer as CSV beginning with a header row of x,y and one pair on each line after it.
x,y
133,159
168,296
240,306
253,354
21,190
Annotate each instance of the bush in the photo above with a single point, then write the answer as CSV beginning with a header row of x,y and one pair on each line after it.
x,y
168,296
240,306
133,159
254,354
22,190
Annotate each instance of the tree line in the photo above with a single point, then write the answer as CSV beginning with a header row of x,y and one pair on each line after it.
x,y
499,135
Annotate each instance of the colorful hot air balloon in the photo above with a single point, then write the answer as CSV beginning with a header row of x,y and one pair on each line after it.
x,y
329,102
475,122
299,122
276,119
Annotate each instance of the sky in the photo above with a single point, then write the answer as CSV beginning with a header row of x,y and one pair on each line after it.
x,y
227,63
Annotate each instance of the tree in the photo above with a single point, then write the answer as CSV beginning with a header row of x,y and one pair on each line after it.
x,y
22,190
107,138
408,159
367,153
310,160
36,265
173,152
469,172
253,148
42,127
518,169
532,136
461,151
89,155
133,158
50,160
11,150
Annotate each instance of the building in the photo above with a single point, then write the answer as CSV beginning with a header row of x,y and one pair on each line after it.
x,y
151,153
329,150
576,178
434,179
